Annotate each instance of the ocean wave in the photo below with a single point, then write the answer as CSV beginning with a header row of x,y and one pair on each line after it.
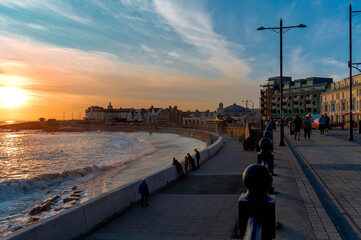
x,y
14,187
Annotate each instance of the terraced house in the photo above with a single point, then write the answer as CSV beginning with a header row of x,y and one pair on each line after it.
x,y
336,101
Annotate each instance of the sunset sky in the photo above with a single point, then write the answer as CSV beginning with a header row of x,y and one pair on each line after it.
x,y
64,56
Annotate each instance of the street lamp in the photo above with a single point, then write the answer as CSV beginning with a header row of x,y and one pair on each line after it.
x,y
280,30
351,65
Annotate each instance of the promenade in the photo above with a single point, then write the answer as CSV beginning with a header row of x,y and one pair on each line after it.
x,y
332,165
204,205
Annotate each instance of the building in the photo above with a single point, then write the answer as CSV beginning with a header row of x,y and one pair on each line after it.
x,y
197,117
237,112
109,114
336,101
170,116
301,96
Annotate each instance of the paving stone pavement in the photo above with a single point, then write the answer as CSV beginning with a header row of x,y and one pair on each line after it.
x,y
332,165
204,205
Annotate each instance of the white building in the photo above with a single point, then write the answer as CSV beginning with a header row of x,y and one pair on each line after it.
x,y
100,114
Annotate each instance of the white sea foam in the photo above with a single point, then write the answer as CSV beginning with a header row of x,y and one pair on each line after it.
x,y
35,166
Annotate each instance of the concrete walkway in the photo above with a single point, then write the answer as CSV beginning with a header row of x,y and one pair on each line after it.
x,y
332,165
204,205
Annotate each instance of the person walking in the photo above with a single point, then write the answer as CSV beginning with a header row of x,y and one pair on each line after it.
x,y
144,192
307,126
198,156
297,126
191,161
322,124
327,125
178,166
186,162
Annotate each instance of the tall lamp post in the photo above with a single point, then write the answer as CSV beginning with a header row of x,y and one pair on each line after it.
x,y
280,30
351,65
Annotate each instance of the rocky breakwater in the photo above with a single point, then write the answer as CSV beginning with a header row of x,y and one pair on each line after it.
x,y
58,203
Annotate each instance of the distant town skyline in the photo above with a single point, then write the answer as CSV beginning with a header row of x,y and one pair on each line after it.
x,y
63,56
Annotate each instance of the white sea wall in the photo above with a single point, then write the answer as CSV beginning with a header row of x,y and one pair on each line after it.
x,y
85,218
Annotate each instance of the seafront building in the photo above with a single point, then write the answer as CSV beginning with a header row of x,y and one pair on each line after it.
x,y
100,114
112,115
336,101
197,117
300,97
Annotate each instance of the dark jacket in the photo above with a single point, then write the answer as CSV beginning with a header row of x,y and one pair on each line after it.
x,y
198,155
143,188
176,164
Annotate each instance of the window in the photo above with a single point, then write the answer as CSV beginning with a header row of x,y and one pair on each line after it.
x,y
343,95
343,106
325,108
315,95
297,85
333,106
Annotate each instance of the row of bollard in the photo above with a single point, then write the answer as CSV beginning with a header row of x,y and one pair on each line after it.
x,y
256,207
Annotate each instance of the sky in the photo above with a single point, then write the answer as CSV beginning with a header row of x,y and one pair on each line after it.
x,y
57,58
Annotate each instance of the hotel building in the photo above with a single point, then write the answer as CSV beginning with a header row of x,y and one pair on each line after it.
x,y
336,101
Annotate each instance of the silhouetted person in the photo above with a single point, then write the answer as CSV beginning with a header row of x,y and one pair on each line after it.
x,y
191,161
307,127
144,192
178,166
198,156
186,162
297,126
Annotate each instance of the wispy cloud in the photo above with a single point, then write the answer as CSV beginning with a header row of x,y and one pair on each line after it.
x,y
333,62
47,71
195,27
58,7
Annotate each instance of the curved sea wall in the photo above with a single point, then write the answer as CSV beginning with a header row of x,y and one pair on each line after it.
x,y
85,218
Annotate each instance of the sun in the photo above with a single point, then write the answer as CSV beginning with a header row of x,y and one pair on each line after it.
x,y
12,97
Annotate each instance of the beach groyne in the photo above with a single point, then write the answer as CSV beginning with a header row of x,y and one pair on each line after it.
x,y
79,221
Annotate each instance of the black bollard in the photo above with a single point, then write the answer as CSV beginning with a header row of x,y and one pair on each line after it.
x,y
256,202
269,135
265,156
269,128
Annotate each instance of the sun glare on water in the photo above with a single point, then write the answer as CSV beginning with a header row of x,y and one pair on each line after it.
x,y
12,97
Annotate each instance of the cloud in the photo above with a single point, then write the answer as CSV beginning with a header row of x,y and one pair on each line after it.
x,y
62,77
195,28
55,6
36,26
333,62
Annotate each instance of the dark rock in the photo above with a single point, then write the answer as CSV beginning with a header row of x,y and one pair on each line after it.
x,y
33,219
68,199
57,209
51,200
39,209
74,188
16,228
75,195
78,191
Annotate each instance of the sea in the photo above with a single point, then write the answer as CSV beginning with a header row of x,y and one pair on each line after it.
x,y
36,165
